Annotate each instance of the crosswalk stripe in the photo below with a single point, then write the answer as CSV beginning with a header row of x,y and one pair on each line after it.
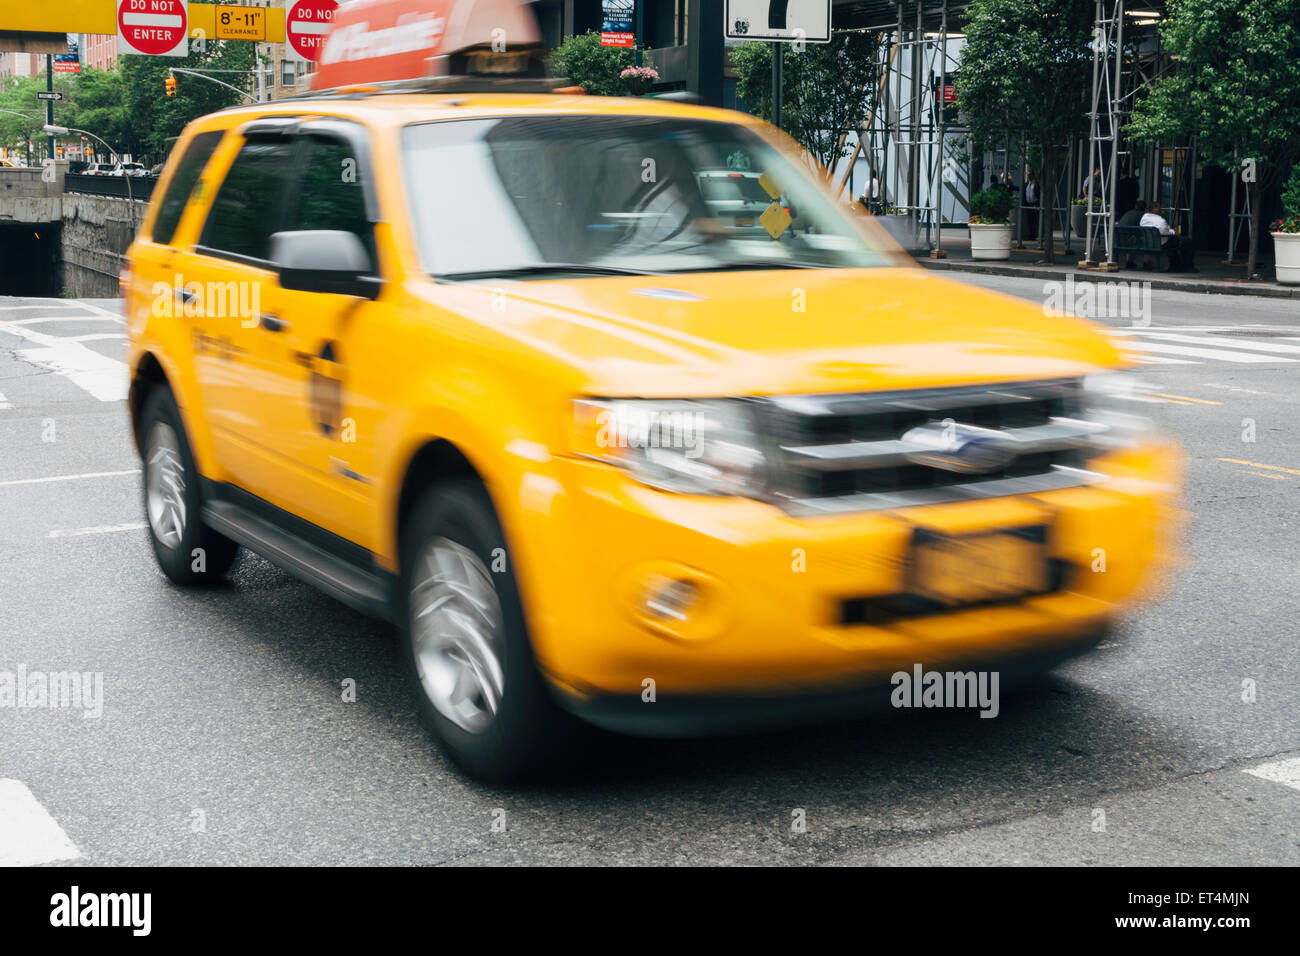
x,y
1155,359
29,836
1223,355
4,402
1285,772
1250,345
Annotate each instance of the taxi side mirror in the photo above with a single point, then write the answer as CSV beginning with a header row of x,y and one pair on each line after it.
x,y
324,260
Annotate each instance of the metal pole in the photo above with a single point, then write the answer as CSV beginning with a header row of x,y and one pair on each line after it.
x,y
49,104
938,252
778,57
1100,38
640,22
261,75
1115,122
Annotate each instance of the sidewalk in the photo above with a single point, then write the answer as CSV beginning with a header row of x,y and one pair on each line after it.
x,y
1027,263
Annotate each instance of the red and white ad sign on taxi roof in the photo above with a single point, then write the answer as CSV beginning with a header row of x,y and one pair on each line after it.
x,y
305,24
377,40
153,27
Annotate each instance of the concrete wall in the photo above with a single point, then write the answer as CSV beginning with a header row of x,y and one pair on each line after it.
x,y
96,233
30,195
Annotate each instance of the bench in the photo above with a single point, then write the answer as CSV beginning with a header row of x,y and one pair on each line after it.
x,y
1140,240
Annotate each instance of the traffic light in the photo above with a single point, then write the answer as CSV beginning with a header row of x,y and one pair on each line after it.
x,y
171,85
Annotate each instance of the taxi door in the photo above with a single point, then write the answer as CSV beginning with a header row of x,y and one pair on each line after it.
x,y
325,416
226,285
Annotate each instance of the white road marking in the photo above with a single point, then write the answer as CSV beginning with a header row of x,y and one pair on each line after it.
x,y
89,474
29,836
101,529
104,378
97,336
1285,772
60,318
1156,359
1237,343
1223,355
4,402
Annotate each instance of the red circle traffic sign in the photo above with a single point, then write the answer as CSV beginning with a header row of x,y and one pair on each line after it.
x,y
152,26
306,24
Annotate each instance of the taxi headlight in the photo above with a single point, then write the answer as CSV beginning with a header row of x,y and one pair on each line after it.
x,y
1118,399
690,446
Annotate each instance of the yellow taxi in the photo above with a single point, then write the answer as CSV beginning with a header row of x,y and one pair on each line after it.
x,y
610,441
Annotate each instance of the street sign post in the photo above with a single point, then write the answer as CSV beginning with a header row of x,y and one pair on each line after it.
x,y
305,24
782,21
153,27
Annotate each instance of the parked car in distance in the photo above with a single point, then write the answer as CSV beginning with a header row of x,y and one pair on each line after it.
x,y
99,169
129,169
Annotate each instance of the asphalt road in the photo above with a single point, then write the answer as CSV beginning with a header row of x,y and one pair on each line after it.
x,y
224,738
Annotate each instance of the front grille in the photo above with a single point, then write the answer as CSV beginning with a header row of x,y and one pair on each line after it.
x,y
849,452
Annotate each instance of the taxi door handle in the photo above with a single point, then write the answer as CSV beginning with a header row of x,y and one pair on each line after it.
x,y
273,323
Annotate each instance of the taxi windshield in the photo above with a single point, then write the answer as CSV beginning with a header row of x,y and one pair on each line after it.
x,y
541,194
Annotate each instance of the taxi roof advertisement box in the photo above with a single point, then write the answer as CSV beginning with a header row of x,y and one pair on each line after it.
x,y
377,40
305,24
153,27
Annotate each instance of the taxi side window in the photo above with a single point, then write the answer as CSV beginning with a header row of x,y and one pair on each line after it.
x,y
329,194
178,192
245,210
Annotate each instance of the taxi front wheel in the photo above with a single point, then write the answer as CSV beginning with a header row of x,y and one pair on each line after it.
x,y
466,650
188,551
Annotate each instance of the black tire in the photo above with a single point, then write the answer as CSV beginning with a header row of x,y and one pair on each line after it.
x,y
201,556
528,736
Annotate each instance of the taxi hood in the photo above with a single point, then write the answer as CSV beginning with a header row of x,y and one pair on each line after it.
x,y
781,332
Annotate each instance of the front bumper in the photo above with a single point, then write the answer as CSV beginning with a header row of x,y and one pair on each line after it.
x,y
769,624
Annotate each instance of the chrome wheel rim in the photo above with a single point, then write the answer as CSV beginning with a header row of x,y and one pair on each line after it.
x,y
165,485
456,632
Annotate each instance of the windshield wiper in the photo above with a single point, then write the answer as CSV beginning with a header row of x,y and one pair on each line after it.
x,y
542,269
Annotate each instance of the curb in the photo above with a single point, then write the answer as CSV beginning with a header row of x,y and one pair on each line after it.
x,y
1169,285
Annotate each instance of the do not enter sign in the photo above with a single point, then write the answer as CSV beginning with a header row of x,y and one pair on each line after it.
x,y
154,27
305,26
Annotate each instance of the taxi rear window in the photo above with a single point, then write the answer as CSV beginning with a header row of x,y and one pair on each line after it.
x,y
182,183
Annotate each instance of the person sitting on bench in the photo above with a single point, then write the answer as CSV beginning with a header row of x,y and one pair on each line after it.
x,y
1178,248
1133,217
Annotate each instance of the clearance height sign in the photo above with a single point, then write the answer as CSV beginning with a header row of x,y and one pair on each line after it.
x,y
154,27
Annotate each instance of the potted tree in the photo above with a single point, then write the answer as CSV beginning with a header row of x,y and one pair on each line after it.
x,y
1286,232
990,223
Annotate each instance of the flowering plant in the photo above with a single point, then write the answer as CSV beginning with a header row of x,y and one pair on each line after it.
x,y
639,79
1290,224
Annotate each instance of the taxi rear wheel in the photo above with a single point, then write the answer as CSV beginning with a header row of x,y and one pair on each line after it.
x,y
188,551
466,651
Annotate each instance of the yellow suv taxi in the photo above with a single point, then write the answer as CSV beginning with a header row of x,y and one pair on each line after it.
x,y
610,441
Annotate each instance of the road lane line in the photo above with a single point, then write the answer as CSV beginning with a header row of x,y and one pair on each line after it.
x,y
29,836
1255,464
1285,772
89,474
4,402
1187,398
100,529
59,318
1222,355
96,336
1264,474
1156,359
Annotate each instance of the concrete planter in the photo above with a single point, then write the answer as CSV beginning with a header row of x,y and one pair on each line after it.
x,y
990,241
1286,247
1078,219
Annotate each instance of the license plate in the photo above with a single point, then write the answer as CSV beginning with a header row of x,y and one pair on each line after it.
x,y
1002,565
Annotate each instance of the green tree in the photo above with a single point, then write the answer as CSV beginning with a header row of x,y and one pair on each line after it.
x,y
1236,82
98,103
593,67
826,88
156,117
1026,68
